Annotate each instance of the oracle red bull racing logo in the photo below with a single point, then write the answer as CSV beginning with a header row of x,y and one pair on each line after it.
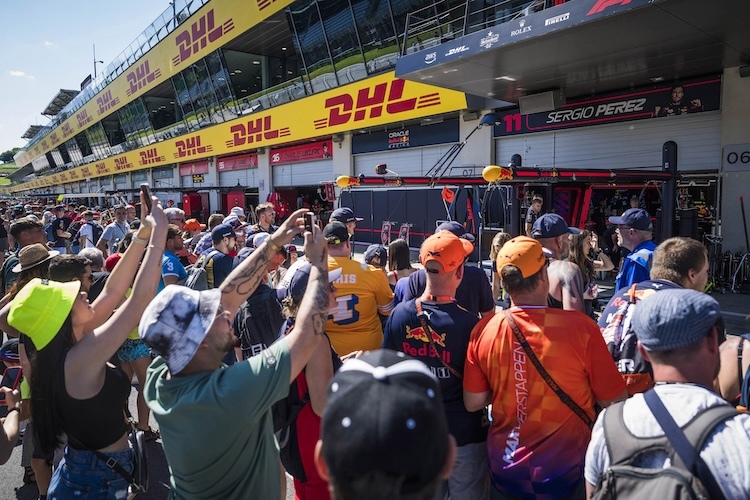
x,y
426,350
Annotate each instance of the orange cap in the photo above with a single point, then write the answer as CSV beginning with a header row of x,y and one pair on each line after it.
x,y
524,253
447,249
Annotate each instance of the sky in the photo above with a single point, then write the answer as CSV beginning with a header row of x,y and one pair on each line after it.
x,y
47,45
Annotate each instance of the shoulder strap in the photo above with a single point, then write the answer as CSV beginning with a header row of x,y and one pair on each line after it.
x,y
685,448
740,346
567,400
210,255
622,445
424,321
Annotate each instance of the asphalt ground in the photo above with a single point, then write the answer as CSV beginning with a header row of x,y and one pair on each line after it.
x,y
735,308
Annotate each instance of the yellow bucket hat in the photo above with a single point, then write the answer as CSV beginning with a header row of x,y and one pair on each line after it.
x,y
41,307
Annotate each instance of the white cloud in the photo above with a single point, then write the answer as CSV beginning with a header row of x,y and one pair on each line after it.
x,y
49,44
20,74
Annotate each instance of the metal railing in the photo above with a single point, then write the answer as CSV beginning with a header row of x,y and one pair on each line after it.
x,y
441,22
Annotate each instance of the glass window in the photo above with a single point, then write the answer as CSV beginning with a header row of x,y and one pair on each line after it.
x,y
74,151
380,42
184,103
310,41
220,81
64,154
342,39
98,140
194,92
207,94
114,132
83,145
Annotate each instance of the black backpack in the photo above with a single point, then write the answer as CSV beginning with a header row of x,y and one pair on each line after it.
x,y
623,480
285,413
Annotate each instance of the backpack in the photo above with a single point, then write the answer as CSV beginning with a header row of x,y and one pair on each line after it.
x,y
285,413
197,278
745,386
623,480
622,344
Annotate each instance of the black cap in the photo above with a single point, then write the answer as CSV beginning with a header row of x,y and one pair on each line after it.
x,y
336,232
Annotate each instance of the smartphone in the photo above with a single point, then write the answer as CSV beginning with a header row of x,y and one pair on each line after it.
x,y
11,379
309,221
146,194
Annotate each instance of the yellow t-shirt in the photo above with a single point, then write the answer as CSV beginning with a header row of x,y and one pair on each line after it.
x,y
362,292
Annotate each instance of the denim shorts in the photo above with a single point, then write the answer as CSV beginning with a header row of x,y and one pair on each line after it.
x,y
470,475
133,349
82,475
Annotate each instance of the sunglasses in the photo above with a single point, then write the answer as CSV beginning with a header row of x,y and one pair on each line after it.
x,y
332,287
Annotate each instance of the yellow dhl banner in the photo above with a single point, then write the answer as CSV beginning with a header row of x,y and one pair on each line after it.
x,y
211,27
376,101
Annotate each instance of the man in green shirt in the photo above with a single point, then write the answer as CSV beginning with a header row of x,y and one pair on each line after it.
x,y
215,421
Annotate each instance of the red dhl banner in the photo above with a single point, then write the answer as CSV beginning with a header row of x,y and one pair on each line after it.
x,y
303,152
239,162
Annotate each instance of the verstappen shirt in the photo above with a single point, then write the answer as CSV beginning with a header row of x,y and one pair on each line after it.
x,y
536,444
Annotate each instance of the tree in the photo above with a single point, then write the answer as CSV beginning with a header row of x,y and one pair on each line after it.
x,y
7,156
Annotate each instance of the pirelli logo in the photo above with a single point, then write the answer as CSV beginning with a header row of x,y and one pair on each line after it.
x,y
199,35
191,146
255,131
150,156
140,77
106,102
373,102
122,163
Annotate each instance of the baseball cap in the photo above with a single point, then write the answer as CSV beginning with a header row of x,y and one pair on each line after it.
x,y
298,285
637,218
524,253
9,351
385,412
673,319
456,228
176,322
237,211
447,249
551,226
376,251
59,208
222,231
193,224
259,238
336,233
41,307
233,221
344,214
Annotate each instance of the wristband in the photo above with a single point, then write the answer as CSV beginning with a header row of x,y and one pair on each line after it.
x,y
142,241
15,408
272,245
156,248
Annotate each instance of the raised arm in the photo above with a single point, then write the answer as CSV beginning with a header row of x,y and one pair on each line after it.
x,y
310,324
246,277
94,349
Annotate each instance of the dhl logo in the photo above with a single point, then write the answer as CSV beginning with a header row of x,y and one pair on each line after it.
x,y
67,130
191,146
63,177
262,4
83,118
45,144
418,333
54,138
150,156
86,172
55,179
106,102
73,175
101,167
371,101
140,77
122,163
255,131
200,33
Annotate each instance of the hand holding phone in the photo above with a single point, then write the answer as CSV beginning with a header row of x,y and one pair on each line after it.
x,y
309,221
147,195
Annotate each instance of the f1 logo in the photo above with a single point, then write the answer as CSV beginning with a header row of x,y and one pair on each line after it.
x,y
601,5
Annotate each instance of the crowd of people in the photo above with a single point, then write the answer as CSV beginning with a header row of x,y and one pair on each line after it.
x,y
371,379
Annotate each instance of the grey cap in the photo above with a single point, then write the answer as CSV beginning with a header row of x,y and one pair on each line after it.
x,y
673,319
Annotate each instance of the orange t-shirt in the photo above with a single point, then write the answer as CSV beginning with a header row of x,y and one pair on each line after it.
x,y
536,443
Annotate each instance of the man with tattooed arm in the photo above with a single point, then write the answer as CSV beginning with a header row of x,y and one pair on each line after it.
x,y
214,420
565,278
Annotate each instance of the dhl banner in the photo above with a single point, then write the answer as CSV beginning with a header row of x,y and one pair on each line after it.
x,y
376,101
216,23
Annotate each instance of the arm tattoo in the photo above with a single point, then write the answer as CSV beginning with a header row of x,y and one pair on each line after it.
x,y
319,321
246,278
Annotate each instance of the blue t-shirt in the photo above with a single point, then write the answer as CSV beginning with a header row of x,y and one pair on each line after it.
x,y
474,293
222,266
636,266
171,266
451,326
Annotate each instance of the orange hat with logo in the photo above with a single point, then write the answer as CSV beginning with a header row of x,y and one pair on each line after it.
x,y
447,249
193,224
523,252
